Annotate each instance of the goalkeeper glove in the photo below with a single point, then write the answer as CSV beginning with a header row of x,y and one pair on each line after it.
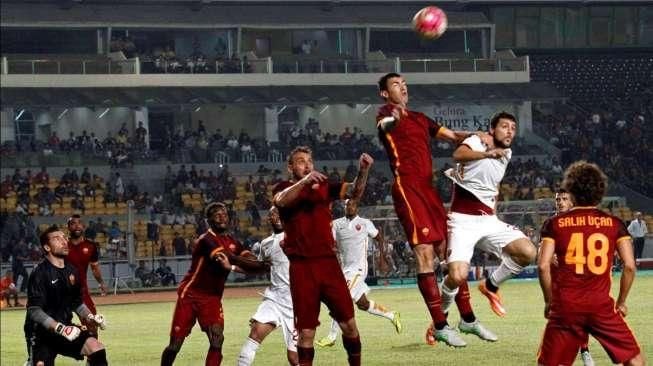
x,y
98,319
70,332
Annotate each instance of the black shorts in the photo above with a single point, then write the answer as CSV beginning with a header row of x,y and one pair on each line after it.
x,y
46,346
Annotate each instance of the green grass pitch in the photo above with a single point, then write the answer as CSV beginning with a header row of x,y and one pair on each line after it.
x,y
137,333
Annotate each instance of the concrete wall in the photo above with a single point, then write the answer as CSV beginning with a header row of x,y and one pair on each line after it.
x,y
7,126
78,119
235,118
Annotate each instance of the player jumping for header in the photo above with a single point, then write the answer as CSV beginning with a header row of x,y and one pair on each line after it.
x,y
482,163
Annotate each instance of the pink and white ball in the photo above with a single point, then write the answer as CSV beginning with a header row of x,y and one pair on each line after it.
x,y
430,22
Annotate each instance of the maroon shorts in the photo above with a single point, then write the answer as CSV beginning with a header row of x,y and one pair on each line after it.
x,y
565,334
318,279
206,309
420,210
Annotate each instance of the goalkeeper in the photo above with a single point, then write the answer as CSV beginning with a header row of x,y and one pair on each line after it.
x,y
53,294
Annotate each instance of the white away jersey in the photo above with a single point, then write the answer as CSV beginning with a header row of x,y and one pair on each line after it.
x,y
480,177
279,289
352,240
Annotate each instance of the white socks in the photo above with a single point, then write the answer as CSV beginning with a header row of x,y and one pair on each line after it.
x,y
447,295
248,352
380,310
335,330
507,270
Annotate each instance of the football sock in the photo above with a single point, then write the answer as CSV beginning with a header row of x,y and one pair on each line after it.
x,y
168,357
98,358
335,330
463,302
431,295
305,355
448,295
507,270
248,352
353,347
213,357
380,310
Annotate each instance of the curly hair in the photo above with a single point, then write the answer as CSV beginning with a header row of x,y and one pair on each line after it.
x,y
586,182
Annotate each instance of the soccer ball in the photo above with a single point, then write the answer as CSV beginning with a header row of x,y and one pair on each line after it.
x,y
430,22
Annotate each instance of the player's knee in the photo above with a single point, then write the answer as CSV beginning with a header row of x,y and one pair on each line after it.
x,y
363,303
527,255
306,337
349,328
522,252
636,361
216,336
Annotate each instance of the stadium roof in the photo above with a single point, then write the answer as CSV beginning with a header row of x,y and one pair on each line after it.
x,y
271,95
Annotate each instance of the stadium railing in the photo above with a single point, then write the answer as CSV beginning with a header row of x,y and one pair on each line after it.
x,y
75,67
266,66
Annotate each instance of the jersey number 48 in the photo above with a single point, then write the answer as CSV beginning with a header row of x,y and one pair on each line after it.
x,y
596,259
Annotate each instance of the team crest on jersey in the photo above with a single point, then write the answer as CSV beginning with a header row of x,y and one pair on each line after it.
x,y
425,231
85,250
71,279
358,227
232,247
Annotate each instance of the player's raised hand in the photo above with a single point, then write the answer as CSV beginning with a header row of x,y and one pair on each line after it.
x,y
313,179
70,332
365,161
622,309
398,113
99,320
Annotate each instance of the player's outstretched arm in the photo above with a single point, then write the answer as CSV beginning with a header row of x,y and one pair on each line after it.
x,y
625,250
365,163
249,263
455,137
547,250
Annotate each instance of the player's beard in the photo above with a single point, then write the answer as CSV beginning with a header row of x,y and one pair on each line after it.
x,y
277,229
218,229
63,253
76,234
500,144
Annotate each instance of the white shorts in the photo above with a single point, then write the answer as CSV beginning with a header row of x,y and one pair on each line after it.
x,y
271,312
485,232
356,284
